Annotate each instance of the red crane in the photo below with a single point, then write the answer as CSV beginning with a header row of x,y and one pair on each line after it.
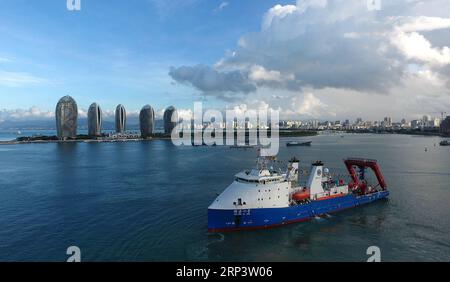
x,y
362,164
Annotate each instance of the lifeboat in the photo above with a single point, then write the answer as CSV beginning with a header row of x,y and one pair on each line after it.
x,y
300,196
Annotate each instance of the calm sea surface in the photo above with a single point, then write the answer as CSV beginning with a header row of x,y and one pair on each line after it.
x,y
147,201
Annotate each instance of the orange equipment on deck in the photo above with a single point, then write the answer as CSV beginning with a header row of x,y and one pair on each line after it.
x,y
300,196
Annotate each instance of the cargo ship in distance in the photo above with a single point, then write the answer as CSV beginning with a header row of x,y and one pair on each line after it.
x,y
295,143
263,197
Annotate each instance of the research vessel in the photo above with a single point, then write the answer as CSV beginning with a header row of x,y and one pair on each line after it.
x,y
264,197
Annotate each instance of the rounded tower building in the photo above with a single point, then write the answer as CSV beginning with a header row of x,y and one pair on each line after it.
x,y
121,119
94,120
66,114
170,119
147,121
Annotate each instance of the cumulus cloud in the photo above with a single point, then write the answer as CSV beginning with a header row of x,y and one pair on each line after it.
x,y
337,47
309,105
259,73
277,12
183,114
33,113
415,46
424,23
311,42
209,80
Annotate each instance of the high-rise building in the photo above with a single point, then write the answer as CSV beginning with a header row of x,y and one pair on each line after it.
x,y
387,122
415,124
66,114
445,126
94,120
121,119
170,119
435,122
147,121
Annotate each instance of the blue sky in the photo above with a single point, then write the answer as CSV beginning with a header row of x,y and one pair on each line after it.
x,y
113,51
318,59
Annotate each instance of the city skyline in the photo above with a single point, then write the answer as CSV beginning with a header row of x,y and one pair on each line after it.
x,y
238,55
66,115
35,114
133,116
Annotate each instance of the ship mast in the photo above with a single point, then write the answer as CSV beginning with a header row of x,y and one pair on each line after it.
x,y
262,161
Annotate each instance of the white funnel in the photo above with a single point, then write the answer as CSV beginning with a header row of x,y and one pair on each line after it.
x,y
315,179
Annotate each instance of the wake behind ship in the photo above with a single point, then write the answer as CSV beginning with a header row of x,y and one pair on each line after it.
x,y
263,197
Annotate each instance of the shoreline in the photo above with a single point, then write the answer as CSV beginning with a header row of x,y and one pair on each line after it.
x,y
285,134
85,139
17,142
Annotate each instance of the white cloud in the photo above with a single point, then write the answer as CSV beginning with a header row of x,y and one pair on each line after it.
x,y
33,113
423,23
221,6
336,57
306,106
259,73
310,105
277,12
305,4
4,60
416,46
211,81
82,113
18,79
353,35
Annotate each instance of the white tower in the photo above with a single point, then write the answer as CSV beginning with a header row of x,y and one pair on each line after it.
x,y
315,179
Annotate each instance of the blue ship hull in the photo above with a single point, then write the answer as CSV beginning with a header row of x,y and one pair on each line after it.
x,y
247,219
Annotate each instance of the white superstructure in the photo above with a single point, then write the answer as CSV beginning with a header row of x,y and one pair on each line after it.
x,y
258,188
321,184
265,187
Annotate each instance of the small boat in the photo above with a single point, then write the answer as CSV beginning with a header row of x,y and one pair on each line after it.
x,y
444,143
295,143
